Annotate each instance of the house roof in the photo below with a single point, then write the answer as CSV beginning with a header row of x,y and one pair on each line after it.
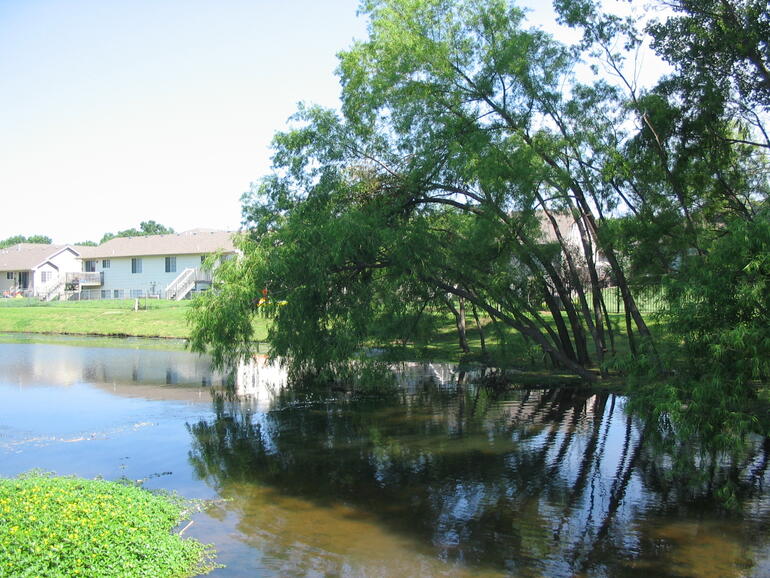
x,y
197,241
29,256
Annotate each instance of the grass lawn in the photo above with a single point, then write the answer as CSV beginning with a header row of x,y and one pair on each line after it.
x,y
161,318
505,347
156,318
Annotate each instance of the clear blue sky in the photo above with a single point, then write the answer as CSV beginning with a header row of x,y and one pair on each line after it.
x,y
117,111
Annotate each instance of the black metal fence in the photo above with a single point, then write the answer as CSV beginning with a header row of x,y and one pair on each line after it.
x,y
649,299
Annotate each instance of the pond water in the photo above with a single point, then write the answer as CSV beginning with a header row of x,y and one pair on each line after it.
x,y
442,478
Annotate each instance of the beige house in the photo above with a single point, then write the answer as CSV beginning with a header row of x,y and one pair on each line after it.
x,y
569,231
165,266
37,270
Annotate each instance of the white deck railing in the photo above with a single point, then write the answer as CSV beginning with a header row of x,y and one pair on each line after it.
x,y
83,278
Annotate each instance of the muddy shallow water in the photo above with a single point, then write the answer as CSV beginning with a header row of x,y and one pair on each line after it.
x,y
441,478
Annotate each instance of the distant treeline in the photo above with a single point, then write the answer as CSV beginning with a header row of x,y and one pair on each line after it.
x,y
145,228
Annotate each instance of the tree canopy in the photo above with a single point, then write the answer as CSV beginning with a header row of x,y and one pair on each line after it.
x,y
469,169
16,239
145,228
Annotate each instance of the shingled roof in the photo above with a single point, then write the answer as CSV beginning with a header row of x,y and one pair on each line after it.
x,y
28,256
197,241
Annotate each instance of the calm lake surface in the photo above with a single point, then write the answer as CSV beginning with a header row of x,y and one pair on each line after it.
x,y
442,478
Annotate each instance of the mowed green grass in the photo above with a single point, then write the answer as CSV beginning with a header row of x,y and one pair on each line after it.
x,y
506,346
155,318
160,318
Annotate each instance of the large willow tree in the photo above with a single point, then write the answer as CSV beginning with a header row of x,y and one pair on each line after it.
x,y
464,136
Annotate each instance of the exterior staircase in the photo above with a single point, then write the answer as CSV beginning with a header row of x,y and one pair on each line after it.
x,y
52,291
180,287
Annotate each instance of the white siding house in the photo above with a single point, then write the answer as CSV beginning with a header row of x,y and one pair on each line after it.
x,y
167,266
36,270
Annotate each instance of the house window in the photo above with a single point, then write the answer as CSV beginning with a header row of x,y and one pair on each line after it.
x,y
170,264
90,266
136,265
10,275
105,263
45,276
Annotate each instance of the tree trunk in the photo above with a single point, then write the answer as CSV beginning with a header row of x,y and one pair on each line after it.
x,y
459,315
527,330
480,328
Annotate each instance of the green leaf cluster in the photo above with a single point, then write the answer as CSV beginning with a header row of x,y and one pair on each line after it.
x,y
719,307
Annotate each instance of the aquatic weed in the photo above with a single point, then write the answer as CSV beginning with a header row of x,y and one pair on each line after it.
x,y
66,526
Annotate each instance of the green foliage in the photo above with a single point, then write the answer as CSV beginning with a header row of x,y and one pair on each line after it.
x,y
222,320
718,45
702,152
719,350
415,194
720,305
52,526
16,239
145,228
459,130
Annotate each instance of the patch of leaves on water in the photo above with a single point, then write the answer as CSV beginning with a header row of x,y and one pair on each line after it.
x,y
67,526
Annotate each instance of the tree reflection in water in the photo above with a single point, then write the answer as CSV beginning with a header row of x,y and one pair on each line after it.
x,y
538,481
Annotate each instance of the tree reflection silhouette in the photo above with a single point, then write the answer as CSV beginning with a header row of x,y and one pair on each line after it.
x,y
551,481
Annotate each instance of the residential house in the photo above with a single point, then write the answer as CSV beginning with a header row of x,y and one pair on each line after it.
x,y
165,266
36,270
570,233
